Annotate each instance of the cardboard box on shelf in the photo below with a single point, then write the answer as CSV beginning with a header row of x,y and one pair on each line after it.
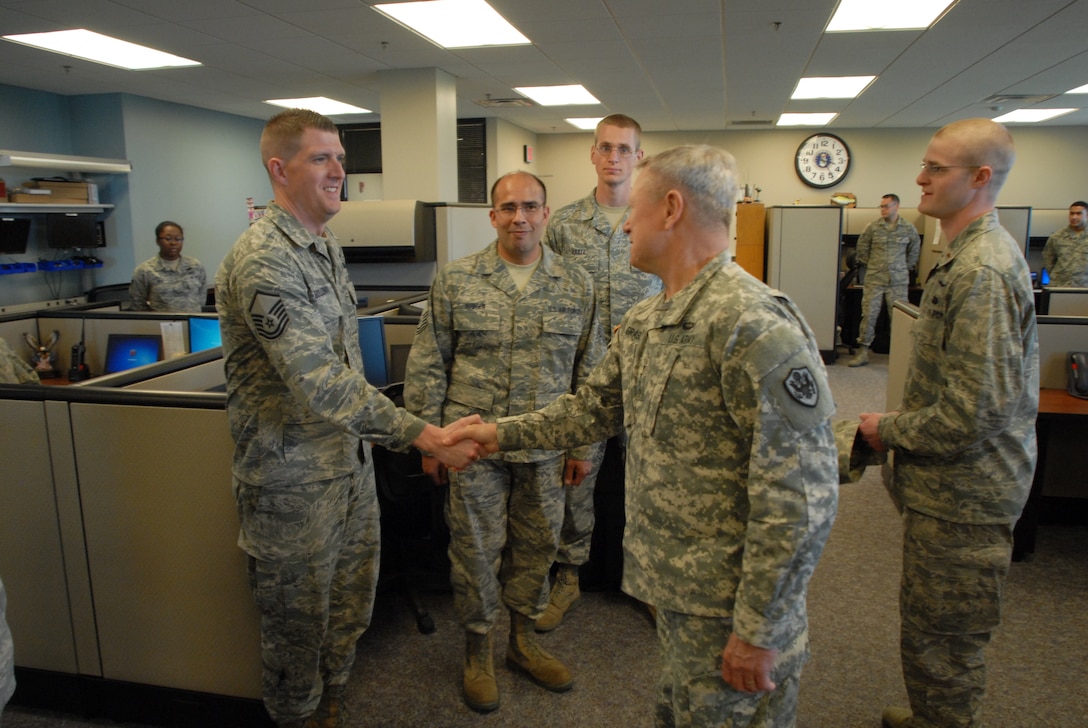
x,y
62,191
36,197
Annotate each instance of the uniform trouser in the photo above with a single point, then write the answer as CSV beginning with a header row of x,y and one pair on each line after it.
x,y
576,535
504,521
317,601
692,693
950,604
872,297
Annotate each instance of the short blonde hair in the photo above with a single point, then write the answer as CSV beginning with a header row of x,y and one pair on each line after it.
x,y
282,135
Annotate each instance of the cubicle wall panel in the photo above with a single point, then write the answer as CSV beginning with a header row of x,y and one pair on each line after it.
x,y
31,559
903,318
172,604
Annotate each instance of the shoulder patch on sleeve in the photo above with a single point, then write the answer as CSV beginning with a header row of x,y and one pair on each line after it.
x,y
269,315
801,385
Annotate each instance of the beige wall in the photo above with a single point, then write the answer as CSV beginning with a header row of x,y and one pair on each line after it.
x,y
884,160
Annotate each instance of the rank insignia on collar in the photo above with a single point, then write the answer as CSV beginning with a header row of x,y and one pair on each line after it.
x,y
269,315
801,385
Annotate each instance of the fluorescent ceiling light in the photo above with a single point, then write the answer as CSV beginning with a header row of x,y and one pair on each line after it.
x,y
812,119
586,123
1079,90
1029,116
831,87
455,23
91,46
558,95
320,104
854,15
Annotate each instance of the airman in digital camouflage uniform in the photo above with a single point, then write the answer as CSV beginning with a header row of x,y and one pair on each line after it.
x,y
732,474
590,231
170,281
507,330
1065,255
964,436
889,248
299,405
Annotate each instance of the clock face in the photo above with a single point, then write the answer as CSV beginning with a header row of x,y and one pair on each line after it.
x,y
822,160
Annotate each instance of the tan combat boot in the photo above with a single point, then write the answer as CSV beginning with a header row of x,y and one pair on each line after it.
x,y
893,717
861,359
481,691
565,596
524,654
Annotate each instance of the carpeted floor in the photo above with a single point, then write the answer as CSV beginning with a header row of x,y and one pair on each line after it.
x,y
1038,668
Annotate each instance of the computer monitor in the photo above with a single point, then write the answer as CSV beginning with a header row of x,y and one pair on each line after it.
x,y
14,233
71,230
372,346
204,333
126,351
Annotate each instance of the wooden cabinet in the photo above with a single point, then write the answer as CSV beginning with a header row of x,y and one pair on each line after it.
x,y
751,244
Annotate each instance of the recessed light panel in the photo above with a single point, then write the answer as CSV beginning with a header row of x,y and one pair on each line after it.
x,y
813,119
831,87
320,104
91,46
574,95
862,15
1030,116
455,23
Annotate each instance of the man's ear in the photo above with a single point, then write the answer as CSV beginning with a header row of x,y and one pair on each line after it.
x,y
982,176
277,170
674,208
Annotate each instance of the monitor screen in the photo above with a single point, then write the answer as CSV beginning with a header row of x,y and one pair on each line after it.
x,y
14,233
372,346
125,351
204,333
71,230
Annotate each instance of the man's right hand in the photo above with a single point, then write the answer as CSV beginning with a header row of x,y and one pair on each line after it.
x,y
458,454
434,468
486,434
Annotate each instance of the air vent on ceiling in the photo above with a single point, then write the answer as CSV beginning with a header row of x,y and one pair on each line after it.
x,y
491,103
1022,99
751,122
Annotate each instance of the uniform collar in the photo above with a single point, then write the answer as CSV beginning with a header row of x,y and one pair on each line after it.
x,y
296,232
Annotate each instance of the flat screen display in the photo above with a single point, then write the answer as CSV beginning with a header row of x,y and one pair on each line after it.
x,y
71,230
14,233
372,346
204,333
127,351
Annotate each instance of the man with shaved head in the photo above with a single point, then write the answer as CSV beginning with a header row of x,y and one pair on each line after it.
x,y
964,435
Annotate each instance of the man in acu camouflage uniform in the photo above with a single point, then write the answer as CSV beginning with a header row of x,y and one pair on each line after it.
x,y
507,330
299,405
590,232
1066,253
732,475
964,437
889,248
170,281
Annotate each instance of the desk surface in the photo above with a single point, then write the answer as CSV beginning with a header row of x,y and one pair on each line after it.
x,y
1058,402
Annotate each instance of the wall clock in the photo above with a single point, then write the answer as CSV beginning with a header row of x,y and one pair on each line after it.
x,y
822,160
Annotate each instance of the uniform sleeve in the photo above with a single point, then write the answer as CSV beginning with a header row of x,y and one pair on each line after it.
x,y
979,354
139,290
865,245
590,351
914,248
1050,253
426,378
777,389
293,333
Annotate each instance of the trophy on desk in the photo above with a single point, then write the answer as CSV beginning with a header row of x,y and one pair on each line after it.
x,y
44,359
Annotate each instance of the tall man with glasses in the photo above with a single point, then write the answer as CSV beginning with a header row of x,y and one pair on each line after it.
x,y
590,232
964,436
508,329
889,248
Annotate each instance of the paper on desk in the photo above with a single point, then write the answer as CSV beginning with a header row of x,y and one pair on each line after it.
x,y
173,339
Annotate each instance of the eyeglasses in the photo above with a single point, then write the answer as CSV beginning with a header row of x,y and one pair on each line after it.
x,y
172,240
606,149
935,169
510,209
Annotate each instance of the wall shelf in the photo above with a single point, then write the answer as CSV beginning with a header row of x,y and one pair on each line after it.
x,y
24,208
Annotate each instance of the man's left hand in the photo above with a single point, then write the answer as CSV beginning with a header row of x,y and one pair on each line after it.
x,y
576,471
747,667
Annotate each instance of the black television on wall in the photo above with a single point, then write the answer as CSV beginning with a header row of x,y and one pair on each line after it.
x,y
71,230
14,234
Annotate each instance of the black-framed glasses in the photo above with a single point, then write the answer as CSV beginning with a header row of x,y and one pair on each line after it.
x,y
935,169
606,149
509,209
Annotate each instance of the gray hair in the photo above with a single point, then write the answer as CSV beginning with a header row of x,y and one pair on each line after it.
x,y
705,175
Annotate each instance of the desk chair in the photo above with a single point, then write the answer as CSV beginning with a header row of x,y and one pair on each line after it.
x,y
414,534
113,292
